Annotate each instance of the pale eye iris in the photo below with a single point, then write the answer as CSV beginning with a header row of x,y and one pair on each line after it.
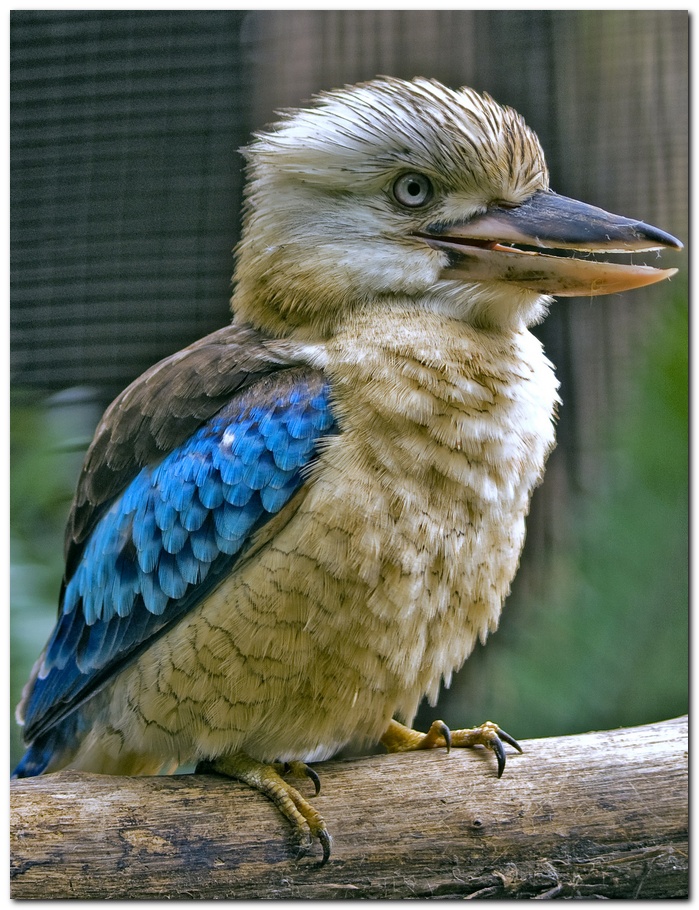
x,y
412,190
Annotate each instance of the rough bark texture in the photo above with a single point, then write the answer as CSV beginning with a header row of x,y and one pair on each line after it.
x,y
597,815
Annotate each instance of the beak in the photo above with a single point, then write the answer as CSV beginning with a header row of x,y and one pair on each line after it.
x,y
477,252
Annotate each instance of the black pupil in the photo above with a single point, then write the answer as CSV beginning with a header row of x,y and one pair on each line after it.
x,y
414,188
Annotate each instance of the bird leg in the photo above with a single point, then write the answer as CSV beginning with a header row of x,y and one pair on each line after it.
x,y
399,738
269,780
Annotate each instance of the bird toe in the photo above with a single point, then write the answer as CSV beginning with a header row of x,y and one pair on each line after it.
x,y
307,824
399,738
489,735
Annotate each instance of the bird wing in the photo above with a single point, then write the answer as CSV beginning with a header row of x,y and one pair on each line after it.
x,y
169,500
159,411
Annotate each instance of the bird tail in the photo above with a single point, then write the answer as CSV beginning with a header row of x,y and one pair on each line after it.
x,y
65,746
34,761
50,750
46,750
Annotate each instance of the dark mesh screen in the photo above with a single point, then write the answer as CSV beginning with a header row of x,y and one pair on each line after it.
x,y
125,188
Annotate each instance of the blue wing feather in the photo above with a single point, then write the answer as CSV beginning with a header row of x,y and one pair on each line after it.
x,y
174,533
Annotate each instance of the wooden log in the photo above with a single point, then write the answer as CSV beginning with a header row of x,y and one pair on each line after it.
x,y
596,815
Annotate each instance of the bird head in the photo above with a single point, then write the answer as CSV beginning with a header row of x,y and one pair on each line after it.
x,y
410,194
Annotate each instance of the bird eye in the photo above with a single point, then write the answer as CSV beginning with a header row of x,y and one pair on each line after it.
x,y
412,190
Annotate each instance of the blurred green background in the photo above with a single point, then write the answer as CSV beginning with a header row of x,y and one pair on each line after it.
x,y
126,187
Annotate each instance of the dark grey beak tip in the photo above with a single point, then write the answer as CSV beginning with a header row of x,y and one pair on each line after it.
x,y
655,235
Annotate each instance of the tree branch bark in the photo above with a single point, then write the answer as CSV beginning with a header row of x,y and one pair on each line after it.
x,y
601,814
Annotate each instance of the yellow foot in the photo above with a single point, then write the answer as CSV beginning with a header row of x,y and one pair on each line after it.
x,y
399,738
268,780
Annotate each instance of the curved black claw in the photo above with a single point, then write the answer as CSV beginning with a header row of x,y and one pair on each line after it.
x,y
499,750
304,845
316,780
301,769
505,737
446,733
326,844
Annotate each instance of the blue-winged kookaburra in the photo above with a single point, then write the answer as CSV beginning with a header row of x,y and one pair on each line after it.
x,y
288,533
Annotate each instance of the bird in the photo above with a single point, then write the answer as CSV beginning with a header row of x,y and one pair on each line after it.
x,y
289,533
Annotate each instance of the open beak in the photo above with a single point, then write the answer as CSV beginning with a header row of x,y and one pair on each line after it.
x,y
487,247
